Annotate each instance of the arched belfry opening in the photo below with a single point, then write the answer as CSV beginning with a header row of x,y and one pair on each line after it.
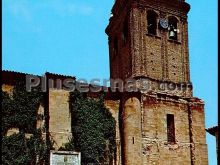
x,y
173,28
152,22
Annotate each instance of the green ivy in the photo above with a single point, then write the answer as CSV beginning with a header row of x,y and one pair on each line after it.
x,y
18,150
19,110
93,129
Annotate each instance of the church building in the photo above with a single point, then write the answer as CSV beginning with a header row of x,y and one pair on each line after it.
x,y
163,125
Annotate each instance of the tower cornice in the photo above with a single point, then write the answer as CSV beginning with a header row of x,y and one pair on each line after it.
x,y
166,6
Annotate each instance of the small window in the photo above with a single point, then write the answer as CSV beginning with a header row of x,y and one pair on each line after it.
x,y
173,28
152,22
170,128
115,48
125,32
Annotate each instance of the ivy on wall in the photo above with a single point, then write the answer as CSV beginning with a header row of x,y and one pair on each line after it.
x,y
93,129
18,150
19,110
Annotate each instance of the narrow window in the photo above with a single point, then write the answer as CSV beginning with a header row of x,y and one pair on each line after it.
x,y
152,22
115,48
173,28
170,128
125,32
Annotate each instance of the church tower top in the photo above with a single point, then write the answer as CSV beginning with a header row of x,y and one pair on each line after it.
x,y
179,5
149,38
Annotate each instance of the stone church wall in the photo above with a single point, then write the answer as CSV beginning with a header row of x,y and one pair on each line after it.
x,y
59,117
156,149
113,106
200,155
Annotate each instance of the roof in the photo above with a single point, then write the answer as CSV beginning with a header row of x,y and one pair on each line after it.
x,y
12,77
212,130
55,75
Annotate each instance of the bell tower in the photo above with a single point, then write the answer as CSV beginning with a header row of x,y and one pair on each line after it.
x,y
148,39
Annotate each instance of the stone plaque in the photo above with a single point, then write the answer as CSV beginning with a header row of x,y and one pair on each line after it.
x,y
65,158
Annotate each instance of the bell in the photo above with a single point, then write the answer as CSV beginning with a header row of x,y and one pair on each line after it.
x,y
172,33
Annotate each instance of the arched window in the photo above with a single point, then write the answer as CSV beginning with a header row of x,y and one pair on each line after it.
x,y
152,22
173,28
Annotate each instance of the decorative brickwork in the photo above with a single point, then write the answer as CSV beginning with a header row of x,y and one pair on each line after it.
x,y
162,60
141,118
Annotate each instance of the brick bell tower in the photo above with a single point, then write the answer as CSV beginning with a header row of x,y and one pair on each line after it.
x,y
165,125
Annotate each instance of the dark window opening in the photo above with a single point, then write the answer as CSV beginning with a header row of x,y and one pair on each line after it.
x,y
133,139
170,128
173,28
115,48
125,33
152,23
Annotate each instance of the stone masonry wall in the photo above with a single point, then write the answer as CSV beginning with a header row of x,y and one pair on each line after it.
x,y
59,117
200,155
156,149
7,88
113,106
132,139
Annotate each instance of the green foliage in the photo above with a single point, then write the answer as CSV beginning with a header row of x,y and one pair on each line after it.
x,y
17,150
93,129
14,150
7,112
20,109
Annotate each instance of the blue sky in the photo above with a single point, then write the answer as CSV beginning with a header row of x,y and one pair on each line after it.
x,y
68,37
